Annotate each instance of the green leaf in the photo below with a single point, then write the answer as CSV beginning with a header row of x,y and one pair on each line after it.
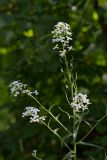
x,y
68,155
95,16
29,33
90,144
91,158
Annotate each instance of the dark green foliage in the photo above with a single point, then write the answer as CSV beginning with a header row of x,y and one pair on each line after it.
x,y
26,54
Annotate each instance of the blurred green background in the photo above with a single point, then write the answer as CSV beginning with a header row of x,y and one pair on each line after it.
x,y
26,54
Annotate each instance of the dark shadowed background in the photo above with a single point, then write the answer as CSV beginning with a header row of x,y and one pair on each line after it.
x,y
26,54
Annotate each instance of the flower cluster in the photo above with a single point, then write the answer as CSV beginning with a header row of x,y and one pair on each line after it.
x,y
17,87
80,102
62,34
33,113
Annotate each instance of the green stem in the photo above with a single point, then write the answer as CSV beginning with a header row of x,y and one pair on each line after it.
x,y
73,87
74,133
51,115
80,120
75,151
68,74
57,135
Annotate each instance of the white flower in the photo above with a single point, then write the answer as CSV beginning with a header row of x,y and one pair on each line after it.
x,y
62,53
33,113
80,102
56,47
36,92
62,34
17,87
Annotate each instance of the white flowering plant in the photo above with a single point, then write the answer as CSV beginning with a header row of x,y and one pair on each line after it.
x,y
77,102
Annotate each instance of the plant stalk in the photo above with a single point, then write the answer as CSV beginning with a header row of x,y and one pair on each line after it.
x,y
51,115
75,151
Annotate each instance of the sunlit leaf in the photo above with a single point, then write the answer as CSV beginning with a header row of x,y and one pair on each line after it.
x,y
95,16
29,33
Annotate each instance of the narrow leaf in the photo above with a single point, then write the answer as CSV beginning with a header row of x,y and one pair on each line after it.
x,y
68,155
34,154
57,116
90,144
88,123
65,113
49,122
51,107
66,137
91,158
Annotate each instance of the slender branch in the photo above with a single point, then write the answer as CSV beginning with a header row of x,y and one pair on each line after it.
x,y
57,135
56,119
75,151
93,128
80,120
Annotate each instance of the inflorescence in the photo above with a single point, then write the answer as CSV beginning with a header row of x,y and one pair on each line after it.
x,y
80,102
33,113
17,87
62,36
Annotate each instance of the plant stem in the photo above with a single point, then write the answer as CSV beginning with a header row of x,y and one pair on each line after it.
x,y
57,135
73,89
75,151
68,73
51,115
